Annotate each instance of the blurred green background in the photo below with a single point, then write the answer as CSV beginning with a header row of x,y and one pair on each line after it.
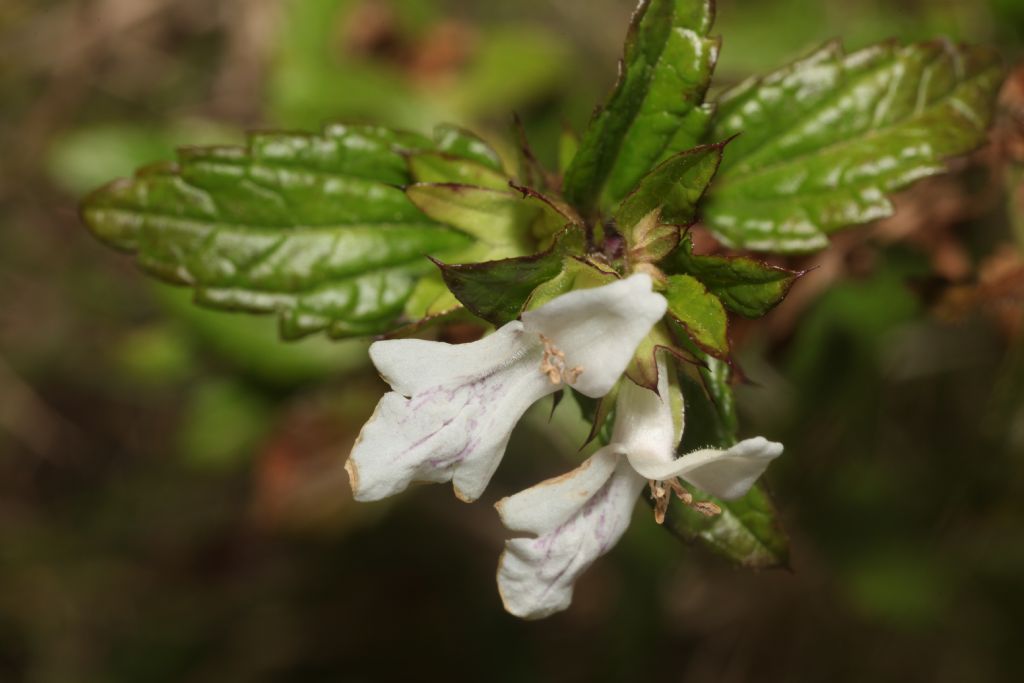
x,y
172,503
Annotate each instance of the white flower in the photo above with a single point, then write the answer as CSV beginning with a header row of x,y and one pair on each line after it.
x,y
579,516
454,406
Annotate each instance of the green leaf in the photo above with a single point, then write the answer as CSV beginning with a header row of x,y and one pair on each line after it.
x,y
674,187
825,139
747,531
312,227
744,285
699,312
507,223
577,273
439,167
497,291
657,107
458,142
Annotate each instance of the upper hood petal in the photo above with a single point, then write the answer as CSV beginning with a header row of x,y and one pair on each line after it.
x,y
599,329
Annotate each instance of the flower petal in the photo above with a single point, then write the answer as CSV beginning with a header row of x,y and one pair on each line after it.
x,y
577,518
552,502
451,415
643,419
599,329
411,366
726,474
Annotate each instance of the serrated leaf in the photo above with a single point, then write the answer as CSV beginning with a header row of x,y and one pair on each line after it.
x,y
657,107
498,290
699,312
827,138
673,188
744,285
311,227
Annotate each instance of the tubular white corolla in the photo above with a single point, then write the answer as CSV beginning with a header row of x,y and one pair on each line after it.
x,y
579,516
453,407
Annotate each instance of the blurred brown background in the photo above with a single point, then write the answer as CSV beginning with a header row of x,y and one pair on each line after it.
x,y
172,504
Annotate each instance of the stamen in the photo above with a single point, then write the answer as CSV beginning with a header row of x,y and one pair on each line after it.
x,y
662,491
707,508
553,364
661,497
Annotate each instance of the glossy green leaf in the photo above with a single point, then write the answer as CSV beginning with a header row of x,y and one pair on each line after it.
x,y
699,312
497,291
744,285
312,227
674,188
825,140
657,107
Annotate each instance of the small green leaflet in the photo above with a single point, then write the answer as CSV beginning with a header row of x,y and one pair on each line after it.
x,y
313,227
699,312
674,187
825,139
657,107
505,222
497,291
745,286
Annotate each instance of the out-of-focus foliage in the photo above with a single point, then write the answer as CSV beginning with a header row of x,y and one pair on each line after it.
x,y
405,63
